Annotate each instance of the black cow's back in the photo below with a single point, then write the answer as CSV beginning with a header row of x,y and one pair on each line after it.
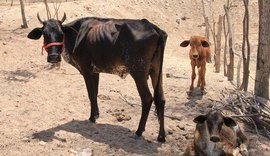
x,y
110,44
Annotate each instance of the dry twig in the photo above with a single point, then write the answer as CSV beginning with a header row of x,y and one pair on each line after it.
x,y
253,110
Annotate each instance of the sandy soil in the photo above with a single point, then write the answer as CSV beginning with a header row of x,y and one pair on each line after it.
x,y
44,110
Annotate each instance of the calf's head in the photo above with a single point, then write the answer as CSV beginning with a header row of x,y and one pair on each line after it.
x,y
196,44
53,37
214,121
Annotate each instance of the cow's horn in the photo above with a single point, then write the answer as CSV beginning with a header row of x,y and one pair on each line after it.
x,y
64,18
39,18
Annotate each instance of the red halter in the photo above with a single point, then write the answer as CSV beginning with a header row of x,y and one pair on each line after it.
x,y
52,44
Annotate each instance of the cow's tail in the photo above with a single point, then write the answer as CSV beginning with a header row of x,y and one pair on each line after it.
x,y
160,49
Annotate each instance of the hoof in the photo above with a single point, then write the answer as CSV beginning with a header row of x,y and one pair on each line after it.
x,y
135,136
93,118
202,92
161,139
138,133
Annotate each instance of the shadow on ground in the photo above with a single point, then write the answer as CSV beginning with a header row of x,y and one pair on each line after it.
x,y
18,75
113,135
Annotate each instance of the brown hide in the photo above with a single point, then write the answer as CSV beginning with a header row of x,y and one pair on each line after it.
x,y
199,54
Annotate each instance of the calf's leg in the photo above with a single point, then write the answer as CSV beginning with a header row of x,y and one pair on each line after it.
x,y
202,78
193,76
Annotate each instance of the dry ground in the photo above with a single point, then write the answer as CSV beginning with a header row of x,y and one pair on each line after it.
x,y
44,111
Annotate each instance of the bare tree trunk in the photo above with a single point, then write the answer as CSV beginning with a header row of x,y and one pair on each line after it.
x,y
206,20
238,72
24,25
263,55
246,59
230,71
225,46
207,33
218,46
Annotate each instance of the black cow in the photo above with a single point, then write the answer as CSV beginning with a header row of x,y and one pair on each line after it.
x,y
117,46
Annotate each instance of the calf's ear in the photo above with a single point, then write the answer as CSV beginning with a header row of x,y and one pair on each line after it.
x,y
184,43
229,122
35,34
200,119
205,43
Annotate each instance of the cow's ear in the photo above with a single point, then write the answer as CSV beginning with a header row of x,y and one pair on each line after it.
x,y
200,119
229,122
205,43
184,43
35,34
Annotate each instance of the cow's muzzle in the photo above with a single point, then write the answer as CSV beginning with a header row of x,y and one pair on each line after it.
x,y
215,138
195,56
54,58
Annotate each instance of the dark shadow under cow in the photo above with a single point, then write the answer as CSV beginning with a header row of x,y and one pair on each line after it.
x,y
117,46
103,133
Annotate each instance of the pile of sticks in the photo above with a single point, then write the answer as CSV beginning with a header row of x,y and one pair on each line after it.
x,y
251,109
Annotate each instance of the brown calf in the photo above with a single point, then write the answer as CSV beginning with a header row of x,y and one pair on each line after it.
x,y
217,135
199,54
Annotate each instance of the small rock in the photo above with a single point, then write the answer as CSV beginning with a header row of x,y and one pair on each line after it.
x,y
168,75
85,152
177,21
42,143
25,139
72,151
181,127
184,18
170,132
189,136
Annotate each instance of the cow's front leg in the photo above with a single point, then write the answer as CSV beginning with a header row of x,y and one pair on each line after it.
x,y
91,81
202,78
199,79
193,76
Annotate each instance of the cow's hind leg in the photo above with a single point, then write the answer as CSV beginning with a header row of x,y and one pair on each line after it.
x,y
91,81
146,98
159,100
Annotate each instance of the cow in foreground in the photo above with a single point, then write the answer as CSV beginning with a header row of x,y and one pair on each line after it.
x,y
217,135
117,46
199,54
